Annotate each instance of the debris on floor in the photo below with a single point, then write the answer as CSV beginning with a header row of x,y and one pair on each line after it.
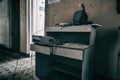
x,y
17,69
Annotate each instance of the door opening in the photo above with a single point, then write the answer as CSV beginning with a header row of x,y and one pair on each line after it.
x,y
35,20
15,25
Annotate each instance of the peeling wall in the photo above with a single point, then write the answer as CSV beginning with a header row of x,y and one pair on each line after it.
x,y
5,15
4,23
108,39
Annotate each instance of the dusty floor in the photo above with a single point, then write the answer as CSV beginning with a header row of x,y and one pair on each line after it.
x,y
17,69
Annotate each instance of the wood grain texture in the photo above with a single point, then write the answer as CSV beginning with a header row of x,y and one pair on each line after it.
x,y
23,37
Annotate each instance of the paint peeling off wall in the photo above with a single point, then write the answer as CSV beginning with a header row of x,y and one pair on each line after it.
x,y
4,23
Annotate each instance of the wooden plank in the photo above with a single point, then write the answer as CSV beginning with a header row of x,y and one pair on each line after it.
x,y
82,28
70,53
92,36
41,49
59,76
67,69
77,46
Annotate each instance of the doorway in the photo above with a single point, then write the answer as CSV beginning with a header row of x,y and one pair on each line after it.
x,y
15,24
35,20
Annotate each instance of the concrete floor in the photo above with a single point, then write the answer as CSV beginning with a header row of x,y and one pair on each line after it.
x,y
16,69
20,68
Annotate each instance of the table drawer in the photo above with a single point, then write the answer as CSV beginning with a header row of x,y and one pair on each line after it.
x,y
70,53
41,49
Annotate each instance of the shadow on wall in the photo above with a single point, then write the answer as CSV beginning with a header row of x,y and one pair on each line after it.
x,y
106,43
2,46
